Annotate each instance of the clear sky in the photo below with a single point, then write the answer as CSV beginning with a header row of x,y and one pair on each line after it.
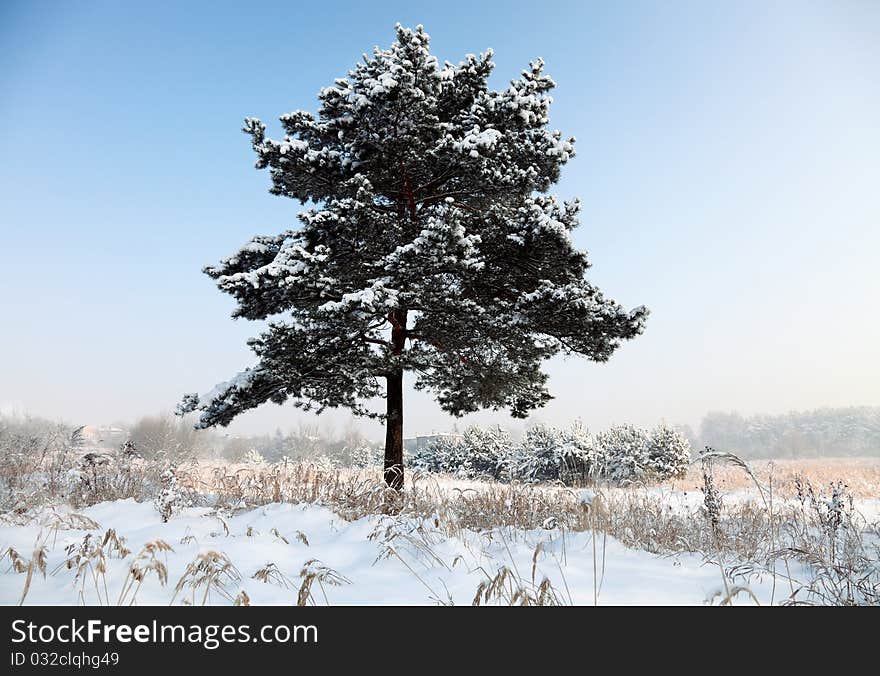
x,y
728,162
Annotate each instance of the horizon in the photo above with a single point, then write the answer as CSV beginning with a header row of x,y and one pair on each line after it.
x,y
727,165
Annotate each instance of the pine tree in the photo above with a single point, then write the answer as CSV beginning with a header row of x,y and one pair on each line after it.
x,y
432,247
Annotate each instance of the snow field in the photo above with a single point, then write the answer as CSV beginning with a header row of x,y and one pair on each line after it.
x,y
384,560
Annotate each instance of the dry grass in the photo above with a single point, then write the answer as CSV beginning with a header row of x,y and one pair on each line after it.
x,y
862,475
210,571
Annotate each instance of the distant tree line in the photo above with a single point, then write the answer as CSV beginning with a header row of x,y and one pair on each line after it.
x,y
853,431
176,438
305,442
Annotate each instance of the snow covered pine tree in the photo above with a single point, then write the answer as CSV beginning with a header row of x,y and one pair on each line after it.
x,y
432,248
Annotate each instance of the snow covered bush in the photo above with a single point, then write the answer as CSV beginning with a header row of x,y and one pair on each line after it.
x,y
253,457
669,452
571,455
622,454
167,502
129,478
552,454
365,456
537,455
95,478
577,459
627,453
478,453
487,452
442,454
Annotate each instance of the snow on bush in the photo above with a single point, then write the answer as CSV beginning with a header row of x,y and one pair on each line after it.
x,y
428,459
478,453
168,500
669,452
442,455
621,454
629,453
253,457
551,454
366,456
488,452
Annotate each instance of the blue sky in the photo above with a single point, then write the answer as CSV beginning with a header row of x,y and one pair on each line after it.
x,y
728,162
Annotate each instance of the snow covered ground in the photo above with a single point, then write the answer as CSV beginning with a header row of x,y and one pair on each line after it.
x,y
384,560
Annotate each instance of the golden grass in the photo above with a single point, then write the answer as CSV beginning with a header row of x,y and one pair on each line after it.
x,y
861,475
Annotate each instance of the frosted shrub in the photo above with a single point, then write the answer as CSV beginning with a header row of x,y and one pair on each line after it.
x,y
444,454
478,453
578,455
253,457
168,500
366,456
487,452
545,454
669,453
627,453
427,459
712,498
836,507
551,454
622,454
94,474
128,480
537,455
573,456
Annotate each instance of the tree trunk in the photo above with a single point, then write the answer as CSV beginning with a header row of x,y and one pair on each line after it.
x,y
394,432
394,403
